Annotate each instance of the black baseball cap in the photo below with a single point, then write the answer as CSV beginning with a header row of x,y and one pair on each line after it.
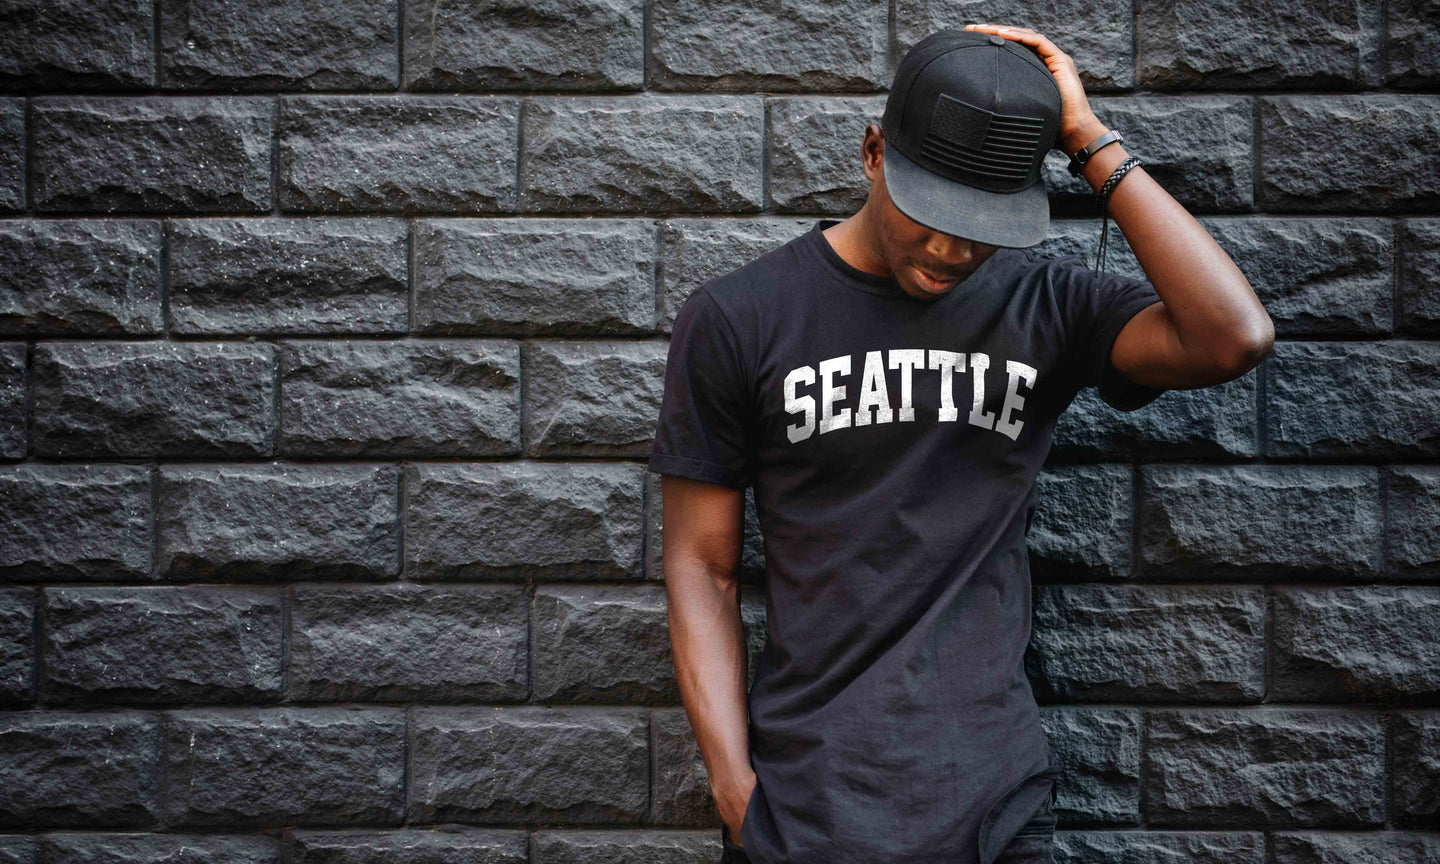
x,y
968,122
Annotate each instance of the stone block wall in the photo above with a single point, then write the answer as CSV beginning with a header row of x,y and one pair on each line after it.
x,y
332,340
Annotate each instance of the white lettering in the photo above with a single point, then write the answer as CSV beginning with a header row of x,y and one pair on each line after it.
x,y
873,393
1015,370
830,393
800,431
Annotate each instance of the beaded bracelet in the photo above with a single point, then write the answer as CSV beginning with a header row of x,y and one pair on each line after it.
x,y
1103,197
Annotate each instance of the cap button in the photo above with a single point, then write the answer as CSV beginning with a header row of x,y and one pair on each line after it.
x,y
996,40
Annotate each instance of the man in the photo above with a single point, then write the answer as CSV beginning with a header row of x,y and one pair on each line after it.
x,y
888,384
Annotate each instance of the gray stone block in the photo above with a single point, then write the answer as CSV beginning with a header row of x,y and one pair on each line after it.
x,y
17,645
288,276
1206,422
14,413
529,764
1353,399
162,645
1371,847
523,519
1235,44
278,522
1393,174
408,398
147,848
1415,767
603,644
285,766
1418,277
1412,531
1356,644
401,642
1243,521
410,846
1098,750
814,152
12,154
622,847
1271,767
139,399
794,45
540,45
1159,847
650,154
87,276
79,44
83,770
1412,44
400,154
592,398
75,523
1149,643
532,277
154,154
267,45
680,793
1082,526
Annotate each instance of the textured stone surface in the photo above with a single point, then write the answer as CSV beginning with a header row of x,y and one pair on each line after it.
x,y
814,153
79,44
1082,525
1356,644
591,398
1234,44
287,276
420,846
82,770
12,154
1396,173
788,45
400,398
1411,44
267,45
659,847
75,523
17,644
1415,767
533,277
1143,643
696,250
1353,399
285,766
396,642
17,849
1098,750
409,154
680,786
652,153
198,154
1315,276
1207,422
14,384
524,519
278,522
1412,540
603,645
1264,767
96,276
135,399
1243,521
531,763
162,644
1159,847
146,848
1418,276
1377,847
539,44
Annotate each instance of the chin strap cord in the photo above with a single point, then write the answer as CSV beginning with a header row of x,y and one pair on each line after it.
x,y
1104,198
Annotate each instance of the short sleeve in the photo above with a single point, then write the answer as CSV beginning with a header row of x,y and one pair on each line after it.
x,y
1095,308
704,428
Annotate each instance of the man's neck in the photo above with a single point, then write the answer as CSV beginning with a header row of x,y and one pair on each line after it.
x,y
853,242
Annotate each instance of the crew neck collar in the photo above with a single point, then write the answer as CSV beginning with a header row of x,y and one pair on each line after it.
x,y
874,283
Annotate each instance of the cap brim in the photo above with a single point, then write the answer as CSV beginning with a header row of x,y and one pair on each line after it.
x,y
1013,219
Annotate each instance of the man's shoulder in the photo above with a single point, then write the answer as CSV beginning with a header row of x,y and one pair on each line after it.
x,y
757,284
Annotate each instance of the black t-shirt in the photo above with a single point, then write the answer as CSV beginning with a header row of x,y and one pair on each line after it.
x,y
893,444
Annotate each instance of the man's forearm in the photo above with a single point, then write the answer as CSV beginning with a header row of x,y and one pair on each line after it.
x,y
1215,311
708,644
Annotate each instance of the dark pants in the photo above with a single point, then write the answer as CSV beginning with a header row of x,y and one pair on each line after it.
x,y
1032,844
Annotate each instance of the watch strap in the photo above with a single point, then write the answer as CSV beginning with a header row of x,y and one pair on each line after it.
x,y
1077,162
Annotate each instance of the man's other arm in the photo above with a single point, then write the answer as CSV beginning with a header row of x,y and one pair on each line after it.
x,y
703,531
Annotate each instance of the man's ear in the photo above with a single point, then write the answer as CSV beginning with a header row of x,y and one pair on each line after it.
x,y
872,151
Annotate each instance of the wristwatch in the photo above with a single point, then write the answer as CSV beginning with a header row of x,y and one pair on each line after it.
x,y
1077,162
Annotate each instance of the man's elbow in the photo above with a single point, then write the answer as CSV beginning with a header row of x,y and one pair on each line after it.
x,y
1250,351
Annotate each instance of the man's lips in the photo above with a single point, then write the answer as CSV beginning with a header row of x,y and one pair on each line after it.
x,y
932,282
